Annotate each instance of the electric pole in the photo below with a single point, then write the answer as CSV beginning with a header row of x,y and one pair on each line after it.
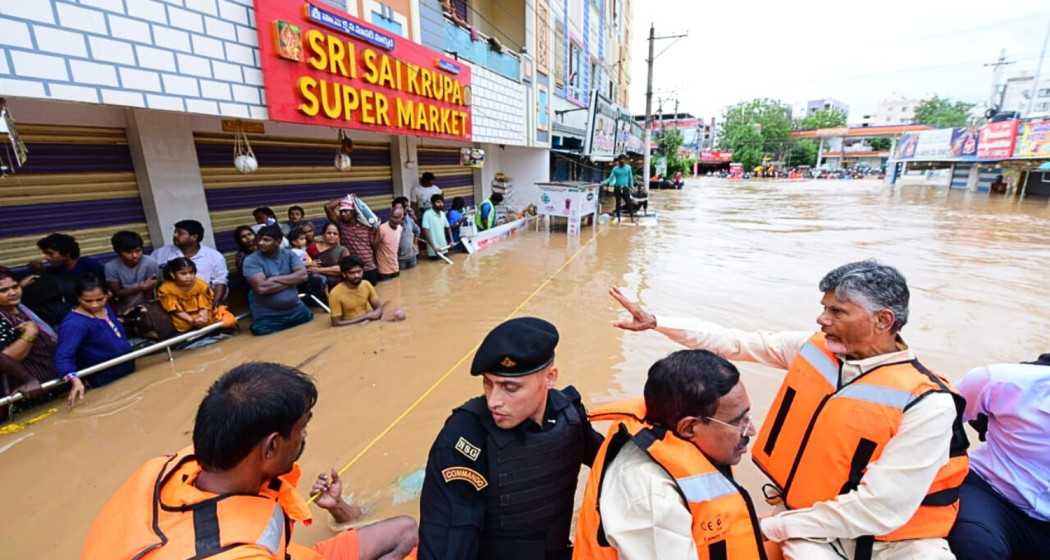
x,y
646,132
994,101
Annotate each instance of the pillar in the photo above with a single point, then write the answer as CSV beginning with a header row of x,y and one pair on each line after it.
x,y
404,164
169,176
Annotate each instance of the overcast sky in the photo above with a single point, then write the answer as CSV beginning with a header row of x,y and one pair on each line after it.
x,y
811,49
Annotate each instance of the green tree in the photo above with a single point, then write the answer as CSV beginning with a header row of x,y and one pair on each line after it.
x,y
803,152
670,140
880,144
755,129
824,118
940,112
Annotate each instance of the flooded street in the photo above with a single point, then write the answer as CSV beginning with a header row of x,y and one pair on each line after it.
x,y
742,254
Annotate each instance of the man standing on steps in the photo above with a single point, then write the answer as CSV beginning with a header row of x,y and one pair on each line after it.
x,y
501,476
863,444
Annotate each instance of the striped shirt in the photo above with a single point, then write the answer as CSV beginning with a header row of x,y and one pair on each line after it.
x,y
357,237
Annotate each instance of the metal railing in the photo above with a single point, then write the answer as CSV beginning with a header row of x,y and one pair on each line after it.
x,y
144,351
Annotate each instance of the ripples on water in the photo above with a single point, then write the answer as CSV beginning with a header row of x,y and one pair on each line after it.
x,y
740,254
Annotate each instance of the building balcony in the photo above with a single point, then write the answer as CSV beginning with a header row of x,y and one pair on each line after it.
x,y
479,49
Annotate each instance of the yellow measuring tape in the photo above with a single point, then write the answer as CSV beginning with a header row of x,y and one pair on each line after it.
x,y
454,367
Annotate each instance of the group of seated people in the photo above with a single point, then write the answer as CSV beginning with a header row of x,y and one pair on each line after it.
x,y
71,312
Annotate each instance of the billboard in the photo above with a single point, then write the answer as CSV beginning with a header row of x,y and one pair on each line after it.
x,y
1033,139
964,143
940,144
322,66
601,144
997,140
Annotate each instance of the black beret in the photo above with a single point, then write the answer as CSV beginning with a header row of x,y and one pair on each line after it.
x,y
516,348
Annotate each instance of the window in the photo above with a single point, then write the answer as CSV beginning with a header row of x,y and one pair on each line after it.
x,y
386,18
575,78
559,56
542,36
1045,92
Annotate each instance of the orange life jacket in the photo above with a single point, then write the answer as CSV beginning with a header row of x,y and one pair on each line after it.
x,y
158,514
724,522
820,436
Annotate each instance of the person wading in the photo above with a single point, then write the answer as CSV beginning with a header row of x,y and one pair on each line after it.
x,y
864,445
501,476
662,484
232,496
486,216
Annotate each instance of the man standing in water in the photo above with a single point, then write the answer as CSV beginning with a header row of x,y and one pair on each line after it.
x,y
501,476
622,180
232,495
864,445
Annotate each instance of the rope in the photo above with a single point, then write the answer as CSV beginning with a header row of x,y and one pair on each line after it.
x,y
450,370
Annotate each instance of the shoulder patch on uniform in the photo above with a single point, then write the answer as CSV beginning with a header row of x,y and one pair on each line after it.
x,y
469,450
465,474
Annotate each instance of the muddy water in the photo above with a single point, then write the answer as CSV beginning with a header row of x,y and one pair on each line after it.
x,y
747,255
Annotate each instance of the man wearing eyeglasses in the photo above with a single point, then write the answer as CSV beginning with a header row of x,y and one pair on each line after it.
x,y
661,485
864,446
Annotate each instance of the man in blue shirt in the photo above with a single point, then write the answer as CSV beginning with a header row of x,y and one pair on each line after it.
x,y
621,178
486,216
273,273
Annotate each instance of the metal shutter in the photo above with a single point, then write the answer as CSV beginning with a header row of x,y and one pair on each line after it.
x,y
453,179
78,180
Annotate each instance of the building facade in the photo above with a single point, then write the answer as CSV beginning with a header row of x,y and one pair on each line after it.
x,y
894,110
1018,91
588,80
816,105
129,111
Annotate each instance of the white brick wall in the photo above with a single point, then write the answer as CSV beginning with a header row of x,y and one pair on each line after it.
x,y
182,55
499,106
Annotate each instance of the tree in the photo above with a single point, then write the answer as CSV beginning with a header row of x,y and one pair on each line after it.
x,y
670,140
939,112
755,129
880,144
803,152
824,118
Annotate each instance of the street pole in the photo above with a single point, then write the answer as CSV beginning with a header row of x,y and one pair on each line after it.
x,y
646,133
1038,71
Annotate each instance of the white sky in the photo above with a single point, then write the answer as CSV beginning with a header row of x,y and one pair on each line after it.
x,y
856,52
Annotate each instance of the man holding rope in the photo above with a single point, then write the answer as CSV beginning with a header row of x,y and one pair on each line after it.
x,y
232,495
501,476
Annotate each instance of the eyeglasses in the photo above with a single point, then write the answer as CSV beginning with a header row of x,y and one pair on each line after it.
x,y
743,425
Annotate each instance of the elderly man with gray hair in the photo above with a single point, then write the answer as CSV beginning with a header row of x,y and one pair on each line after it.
x,y
863,444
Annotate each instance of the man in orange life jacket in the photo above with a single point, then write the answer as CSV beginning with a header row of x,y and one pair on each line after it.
x,y
662,485
864,445
232,495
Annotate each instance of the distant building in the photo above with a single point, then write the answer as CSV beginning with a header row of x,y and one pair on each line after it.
x,y
896,109
1018,91
817,105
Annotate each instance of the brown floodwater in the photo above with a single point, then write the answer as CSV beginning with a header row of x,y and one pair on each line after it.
x,y
742,254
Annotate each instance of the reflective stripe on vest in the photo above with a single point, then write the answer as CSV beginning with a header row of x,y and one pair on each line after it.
x,y
138,522
805,450
724,523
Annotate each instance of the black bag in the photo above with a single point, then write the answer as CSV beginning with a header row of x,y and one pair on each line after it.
x,y
148,320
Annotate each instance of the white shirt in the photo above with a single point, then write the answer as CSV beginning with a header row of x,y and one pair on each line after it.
x,y
1016,457
892,487
211,265
422,195
643,514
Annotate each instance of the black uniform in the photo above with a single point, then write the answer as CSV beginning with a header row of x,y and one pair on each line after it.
x,y
491,493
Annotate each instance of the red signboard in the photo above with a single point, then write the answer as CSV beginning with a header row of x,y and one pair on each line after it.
x,y
715,156
996,140
322,66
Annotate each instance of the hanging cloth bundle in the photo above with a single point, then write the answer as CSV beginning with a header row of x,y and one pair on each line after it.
x,y
342,154
14,155
243,156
